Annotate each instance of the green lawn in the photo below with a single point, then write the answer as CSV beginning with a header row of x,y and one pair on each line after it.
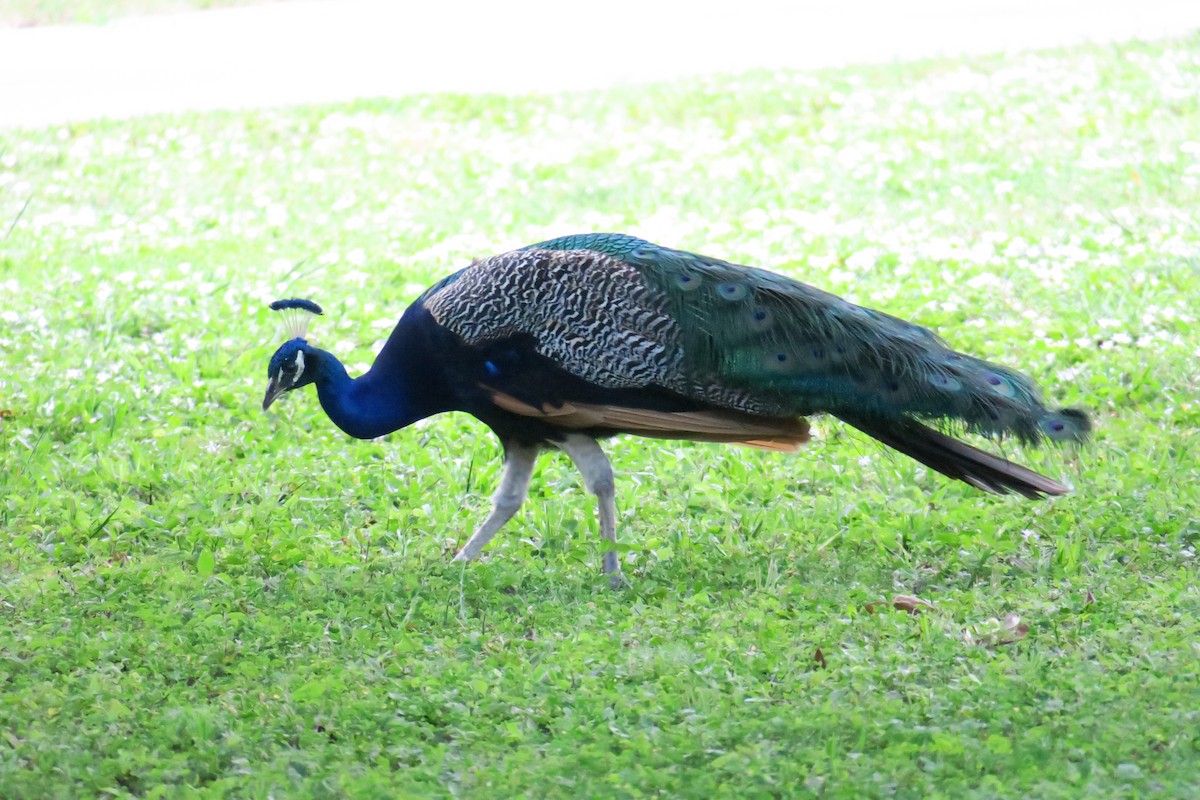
x,y
197,599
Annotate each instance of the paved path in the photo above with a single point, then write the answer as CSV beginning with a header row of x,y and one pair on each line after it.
x,y
326,50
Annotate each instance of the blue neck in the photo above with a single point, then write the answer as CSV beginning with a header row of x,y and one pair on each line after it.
x,y
363,407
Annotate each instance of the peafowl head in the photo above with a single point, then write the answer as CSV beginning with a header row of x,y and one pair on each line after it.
x,y
294,363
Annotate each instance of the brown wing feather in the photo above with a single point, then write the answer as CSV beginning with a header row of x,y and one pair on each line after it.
x,y
782,434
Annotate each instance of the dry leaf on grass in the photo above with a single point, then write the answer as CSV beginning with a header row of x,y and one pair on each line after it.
x,y
819,658
902,602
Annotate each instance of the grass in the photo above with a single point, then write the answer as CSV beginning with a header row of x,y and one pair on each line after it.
x,y
197,599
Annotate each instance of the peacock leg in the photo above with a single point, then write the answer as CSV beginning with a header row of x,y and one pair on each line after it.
x,y
597,473
514,486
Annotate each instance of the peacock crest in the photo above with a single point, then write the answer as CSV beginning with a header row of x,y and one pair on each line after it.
x,y
296,315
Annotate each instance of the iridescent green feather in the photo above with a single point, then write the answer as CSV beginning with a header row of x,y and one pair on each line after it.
x,y
801,350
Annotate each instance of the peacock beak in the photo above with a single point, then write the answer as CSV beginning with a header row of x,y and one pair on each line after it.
x,y
274,389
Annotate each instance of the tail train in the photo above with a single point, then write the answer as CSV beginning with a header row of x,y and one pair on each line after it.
x,y
957,459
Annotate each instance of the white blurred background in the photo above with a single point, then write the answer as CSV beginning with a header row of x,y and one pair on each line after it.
x,y
302,51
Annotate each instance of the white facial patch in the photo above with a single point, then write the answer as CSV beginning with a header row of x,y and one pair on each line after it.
x,y
299,366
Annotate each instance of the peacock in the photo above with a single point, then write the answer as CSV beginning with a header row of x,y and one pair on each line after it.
x,y
566,342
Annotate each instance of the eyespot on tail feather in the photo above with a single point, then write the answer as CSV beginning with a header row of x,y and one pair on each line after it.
x,y
1066,425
